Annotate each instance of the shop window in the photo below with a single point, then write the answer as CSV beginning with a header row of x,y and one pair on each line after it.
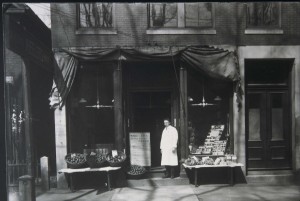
x,y
95,18
208,115
90,107
264,16
198,14
181,18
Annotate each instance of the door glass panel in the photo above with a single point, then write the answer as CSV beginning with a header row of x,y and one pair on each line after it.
x,y
277,116
254,116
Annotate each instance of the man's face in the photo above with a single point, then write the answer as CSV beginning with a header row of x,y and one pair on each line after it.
x,y
166,123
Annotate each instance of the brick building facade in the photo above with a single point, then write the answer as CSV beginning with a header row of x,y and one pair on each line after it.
x,y
266,45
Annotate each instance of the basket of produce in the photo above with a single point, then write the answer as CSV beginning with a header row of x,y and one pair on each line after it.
x,y
75,160
95,160
135,172
117,160
191,161
209,161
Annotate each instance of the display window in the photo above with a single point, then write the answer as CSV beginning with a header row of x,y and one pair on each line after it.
x,y
91,107
209,114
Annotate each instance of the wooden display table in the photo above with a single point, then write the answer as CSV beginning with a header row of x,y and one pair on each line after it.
x,y
197,167
69,171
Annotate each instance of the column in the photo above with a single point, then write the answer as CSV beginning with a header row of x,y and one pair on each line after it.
x,y
118,110
60,145
183,113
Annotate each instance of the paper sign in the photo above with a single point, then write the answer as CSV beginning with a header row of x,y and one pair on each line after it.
x,y
140,149
114,153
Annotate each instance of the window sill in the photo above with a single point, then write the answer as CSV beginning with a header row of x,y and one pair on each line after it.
x,y
175,31
95,31
263,31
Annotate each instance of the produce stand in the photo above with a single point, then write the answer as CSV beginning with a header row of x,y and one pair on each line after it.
x,y
229,166
70,172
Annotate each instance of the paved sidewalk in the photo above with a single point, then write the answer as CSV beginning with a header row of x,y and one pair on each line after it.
x,y
241,192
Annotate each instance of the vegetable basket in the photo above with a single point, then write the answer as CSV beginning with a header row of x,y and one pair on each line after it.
x,y
75,160
117,161
95,160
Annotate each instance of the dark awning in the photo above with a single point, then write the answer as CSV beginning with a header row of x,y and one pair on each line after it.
x,y
215,62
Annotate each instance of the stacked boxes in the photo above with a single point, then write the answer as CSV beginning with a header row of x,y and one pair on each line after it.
x,y
213,145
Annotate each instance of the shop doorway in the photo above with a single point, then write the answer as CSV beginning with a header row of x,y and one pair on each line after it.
x,y
148,109
268,114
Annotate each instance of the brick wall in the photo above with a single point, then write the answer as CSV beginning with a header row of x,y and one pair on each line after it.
x,y
131,24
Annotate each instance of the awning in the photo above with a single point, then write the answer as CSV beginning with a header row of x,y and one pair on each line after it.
x,y
214,62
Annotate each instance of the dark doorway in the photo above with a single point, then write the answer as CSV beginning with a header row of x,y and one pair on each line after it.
x,y
149,108
268,114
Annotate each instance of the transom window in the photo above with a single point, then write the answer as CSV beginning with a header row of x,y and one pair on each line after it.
x,y
181,15
95,15
263,15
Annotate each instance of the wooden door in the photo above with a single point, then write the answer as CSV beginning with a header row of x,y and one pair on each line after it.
x,y
268,129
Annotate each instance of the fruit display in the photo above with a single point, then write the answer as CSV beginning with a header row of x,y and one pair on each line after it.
x,y
75,160
116,160
136,170
95,160
209,161
193,161
190,162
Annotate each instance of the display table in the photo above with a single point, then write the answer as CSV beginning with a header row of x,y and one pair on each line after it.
x,y
69,171
230,168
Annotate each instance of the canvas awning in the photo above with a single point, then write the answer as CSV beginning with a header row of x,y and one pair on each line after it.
x,y
214,62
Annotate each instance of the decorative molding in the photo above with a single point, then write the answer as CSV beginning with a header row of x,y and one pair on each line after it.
x,y
187,31
263,31
95,31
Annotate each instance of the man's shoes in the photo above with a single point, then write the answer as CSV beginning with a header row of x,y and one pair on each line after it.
x,y
166,176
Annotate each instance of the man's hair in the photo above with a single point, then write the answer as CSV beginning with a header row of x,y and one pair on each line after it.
x,y
167,119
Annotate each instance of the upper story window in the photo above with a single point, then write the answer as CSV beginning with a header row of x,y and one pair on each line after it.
x,y
95,18
181,18
198,14
264,18
96,15
163,15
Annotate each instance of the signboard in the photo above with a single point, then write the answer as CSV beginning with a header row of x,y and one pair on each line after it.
x,y
140,149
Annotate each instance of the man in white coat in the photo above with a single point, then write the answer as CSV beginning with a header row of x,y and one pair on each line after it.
x,y
168,147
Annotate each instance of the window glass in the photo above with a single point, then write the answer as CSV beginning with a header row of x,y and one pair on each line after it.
x,y
254,101
263,14
198,15
97,15
277,116
163,15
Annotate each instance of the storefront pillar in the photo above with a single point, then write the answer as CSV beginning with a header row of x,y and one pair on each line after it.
x,y
117,79
183,138
28,122
61,145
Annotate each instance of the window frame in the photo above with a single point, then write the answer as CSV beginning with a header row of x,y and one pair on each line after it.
x,y
181,28
95,30
264,29
212,16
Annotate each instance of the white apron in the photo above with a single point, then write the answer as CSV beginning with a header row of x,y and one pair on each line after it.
x,y
169,141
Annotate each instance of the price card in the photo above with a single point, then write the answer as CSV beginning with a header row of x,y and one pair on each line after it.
x,y
114,153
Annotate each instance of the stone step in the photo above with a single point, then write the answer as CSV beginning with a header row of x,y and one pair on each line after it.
x,y
274,179
157,182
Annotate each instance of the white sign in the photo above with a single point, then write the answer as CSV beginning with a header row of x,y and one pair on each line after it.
x,y
140,149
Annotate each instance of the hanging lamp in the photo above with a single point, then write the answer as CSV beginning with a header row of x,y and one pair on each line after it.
x,y
98,105
203,103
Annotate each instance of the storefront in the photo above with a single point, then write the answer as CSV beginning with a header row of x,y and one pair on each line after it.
x,y
109,93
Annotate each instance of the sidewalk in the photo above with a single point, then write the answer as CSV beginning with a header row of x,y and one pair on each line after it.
x,y
241,192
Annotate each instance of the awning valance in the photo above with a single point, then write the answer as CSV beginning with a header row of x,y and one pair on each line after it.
x,y
215,62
